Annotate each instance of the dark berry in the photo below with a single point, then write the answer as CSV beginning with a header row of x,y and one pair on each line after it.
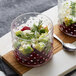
x,y
34,58
69,30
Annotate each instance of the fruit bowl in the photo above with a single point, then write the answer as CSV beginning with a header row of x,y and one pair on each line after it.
x,y
32,38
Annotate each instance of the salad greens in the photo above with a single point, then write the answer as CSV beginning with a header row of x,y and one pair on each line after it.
x,y
69,13
36,35
73,9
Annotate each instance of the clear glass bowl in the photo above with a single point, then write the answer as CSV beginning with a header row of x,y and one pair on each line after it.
x,y
40,49
67,16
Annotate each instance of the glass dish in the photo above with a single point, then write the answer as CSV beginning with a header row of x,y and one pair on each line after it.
x,y
67,16
32,37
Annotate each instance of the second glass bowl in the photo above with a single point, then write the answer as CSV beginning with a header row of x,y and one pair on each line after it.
x,y
67,16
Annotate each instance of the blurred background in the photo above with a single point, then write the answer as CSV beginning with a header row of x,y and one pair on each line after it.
x,y
10,9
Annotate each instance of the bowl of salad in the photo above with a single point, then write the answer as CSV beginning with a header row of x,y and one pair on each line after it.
x,y
67,17
32,39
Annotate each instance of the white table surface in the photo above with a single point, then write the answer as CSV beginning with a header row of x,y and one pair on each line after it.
x,y
61,63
